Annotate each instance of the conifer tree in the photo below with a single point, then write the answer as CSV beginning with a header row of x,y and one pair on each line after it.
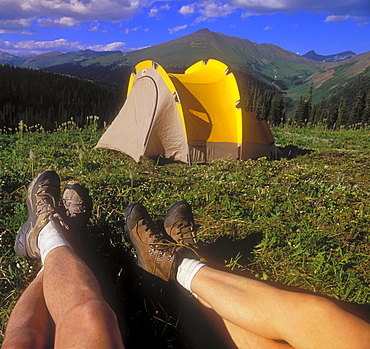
x,y
342,112
303,112
309,103
315,114
357,109
266,105
276,116
366,112
330,116
300,113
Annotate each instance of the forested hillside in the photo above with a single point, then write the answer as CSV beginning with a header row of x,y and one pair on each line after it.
x,y
49,99
349,108
112,76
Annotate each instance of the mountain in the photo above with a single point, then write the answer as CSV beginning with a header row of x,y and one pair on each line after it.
x,y
333,79
265,65
330,58
51,58
6,58
268,64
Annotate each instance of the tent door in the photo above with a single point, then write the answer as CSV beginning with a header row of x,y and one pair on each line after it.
x,y
154,110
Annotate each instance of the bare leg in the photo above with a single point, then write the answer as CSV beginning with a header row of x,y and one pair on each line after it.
x,y
246,339
304,321
30,324
249,340
83,319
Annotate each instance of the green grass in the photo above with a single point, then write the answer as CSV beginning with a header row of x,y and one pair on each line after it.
x,y
302,222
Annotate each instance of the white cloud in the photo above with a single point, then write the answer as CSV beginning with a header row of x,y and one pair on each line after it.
x,y
157,11
269,27
24,15
201,19
187,10
135,29
153,12
62,22
109,10
176,29
245,15
44,46
113,46
215,10
209,11
336,18
94,27
362,21
16,26
332,7
65,13
62,45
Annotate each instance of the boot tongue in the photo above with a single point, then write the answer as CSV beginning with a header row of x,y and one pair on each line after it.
x,y
47,202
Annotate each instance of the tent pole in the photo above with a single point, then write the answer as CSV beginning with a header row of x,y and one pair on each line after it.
x,y
189,158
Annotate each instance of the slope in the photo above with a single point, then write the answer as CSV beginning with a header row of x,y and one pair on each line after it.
x,y
264,60
333,77
266,65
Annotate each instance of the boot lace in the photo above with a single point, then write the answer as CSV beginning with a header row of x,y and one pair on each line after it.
x,y
47,206
166,246
74,206
186,231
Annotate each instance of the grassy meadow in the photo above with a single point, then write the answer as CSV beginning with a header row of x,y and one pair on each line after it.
x,y
302,222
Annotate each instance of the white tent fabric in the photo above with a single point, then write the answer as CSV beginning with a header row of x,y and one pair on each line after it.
x,y
149,123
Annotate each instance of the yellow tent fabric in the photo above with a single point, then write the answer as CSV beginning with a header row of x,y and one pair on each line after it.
x,y
209,97
190,117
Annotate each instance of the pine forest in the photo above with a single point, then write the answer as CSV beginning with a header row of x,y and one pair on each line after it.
x,y
37,97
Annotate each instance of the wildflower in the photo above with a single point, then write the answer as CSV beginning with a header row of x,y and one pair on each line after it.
x,y
132,175
81,155
33,155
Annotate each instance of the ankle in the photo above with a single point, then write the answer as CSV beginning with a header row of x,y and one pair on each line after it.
x,y
186,271
51,237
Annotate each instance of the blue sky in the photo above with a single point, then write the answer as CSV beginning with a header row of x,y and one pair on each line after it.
x,y
38,26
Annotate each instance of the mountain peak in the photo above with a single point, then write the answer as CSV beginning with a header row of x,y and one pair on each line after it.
x,y
204,30
338,57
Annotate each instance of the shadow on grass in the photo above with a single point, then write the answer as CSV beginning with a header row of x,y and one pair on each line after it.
x,y
291,151
151,312
154,313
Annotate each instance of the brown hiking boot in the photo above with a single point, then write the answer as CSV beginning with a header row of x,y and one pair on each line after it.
x,y
78,205
179,223
42,203
157,253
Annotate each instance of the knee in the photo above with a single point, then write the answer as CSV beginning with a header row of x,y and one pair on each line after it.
x,y
352,331
23,338
90,322
93,312
319,304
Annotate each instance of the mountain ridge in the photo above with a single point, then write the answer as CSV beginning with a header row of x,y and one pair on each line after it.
x,y
337,57
51,58
273,66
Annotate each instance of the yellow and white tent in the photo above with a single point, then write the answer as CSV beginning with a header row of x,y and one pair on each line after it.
x,y
190,117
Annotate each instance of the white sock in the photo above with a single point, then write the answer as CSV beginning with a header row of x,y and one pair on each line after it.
x,y
50,237
186,272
